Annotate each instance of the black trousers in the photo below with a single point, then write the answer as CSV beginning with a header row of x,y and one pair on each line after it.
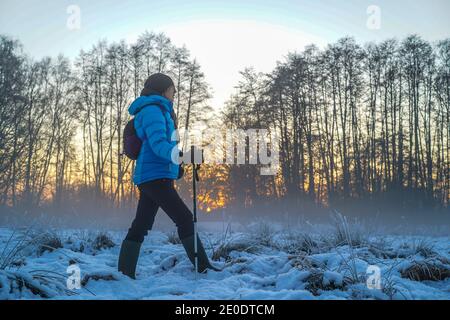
x,y
155,194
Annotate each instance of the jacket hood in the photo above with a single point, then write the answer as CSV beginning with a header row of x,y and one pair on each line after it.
x,y
142,101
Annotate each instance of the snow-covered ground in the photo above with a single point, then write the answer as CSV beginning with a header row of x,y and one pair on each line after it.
x,y
260,261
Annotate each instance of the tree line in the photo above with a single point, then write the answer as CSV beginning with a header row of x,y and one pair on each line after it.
x,y
361,127
61,121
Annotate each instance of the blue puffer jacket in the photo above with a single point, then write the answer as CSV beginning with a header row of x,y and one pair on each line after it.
x,y
155,129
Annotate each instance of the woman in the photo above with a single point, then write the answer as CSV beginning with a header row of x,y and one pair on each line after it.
x,y
155,172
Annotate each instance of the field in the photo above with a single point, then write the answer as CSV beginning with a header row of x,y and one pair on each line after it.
x,y
260,261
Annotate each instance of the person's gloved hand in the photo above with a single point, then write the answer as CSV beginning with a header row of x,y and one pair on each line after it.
x,y
193,155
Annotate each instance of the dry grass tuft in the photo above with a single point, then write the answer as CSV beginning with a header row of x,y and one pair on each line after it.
x,y
430,269
103,241
173,238
317,282
96,277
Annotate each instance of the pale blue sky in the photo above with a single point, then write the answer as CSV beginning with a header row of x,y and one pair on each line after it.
x,y
225,36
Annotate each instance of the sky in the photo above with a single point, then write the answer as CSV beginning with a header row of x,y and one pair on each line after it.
x,y
224,36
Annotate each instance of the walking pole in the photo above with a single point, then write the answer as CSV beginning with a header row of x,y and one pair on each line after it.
x,y
195,168
195,178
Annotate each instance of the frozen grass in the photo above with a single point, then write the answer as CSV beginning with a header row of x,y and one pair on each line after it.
x,y
430,269
228,242
173,237
38,283
23,242
262,261
352,234
263,232
320,280
42,283
48,241
97,277
103,241
298,243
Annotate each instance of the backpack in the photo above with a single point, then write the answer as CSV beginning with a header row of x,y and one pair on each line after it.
x,y
132,144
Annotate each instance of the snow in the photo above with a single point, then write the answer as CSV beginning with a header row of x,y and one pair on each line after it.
x,y
254,268
291,280
330,277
